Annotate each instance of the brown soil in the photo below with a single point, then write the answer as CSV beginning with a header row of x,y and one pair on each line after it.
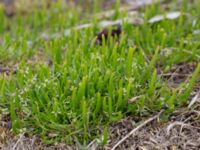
x,y
181,132
179,73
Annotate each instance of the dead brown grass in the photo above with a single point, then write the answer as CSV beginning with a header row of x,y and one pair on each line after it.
x,y
181,132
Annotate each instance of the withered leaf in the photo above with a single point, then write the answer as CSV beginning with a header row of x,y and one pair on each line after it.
x,y
105,33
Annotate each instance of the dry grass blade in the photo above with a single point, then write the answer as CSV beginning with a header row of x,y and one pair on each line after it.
x,y
19,140
136,129
134,99
194,99
93,145
22,142
177,123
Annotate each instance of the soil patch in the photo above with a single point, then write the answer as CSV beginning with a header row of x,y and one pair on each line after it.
x,y
181,132
179,73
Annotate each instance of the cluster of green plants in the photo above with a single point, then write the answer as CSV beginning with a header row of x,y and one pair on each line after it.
x,y
88,86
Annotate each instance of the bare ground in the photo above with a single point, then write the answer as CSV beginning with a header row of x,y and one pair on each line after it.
x,y
182,132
